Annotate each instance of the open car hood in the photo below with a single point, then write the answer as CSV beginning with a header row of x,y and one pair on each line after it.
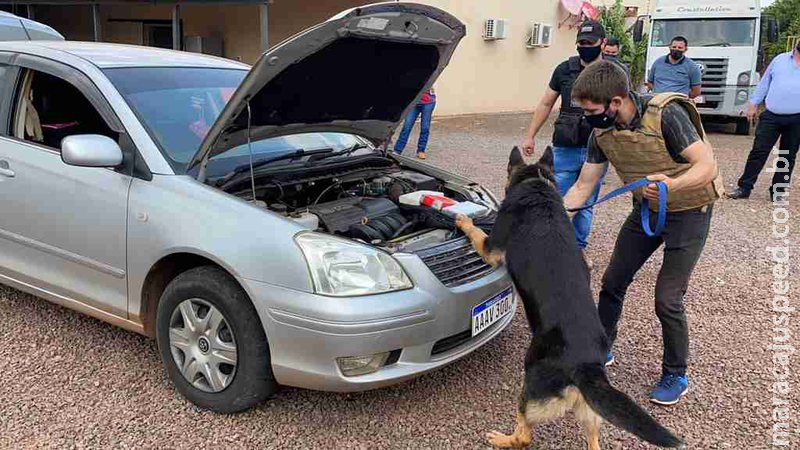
x,y
359,72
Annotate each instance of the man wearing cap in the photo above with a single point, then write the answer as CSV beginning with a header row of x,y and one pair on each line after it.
x,y
571,130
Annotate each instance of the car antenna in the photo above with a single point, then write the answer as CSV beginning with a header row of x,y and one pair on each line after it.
x,y
250,151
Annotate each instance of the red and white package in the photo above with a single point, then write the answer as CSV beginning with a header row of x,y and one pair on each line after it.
x,y
438,202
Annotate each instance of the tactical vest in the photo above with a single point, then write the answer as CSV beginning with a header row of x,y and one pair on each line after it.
x,y
570,128
641,152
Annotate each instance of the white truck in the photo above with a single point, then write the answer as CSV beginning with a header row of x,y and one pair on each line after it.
x,y
724,40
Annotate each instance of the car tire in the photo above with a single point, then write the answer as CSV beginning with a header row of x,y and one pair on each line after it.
x,y
743,126
205,321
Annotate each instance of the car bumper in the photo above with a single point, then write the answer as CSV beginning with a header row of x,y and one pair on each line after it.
x,y
307,332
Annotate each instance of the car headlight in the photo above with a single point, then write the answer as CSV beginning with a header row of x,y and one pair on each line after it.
x,y
343,268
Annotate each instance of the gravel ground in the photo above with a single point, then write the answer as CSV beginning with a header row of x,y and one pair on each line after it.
x,y
68,381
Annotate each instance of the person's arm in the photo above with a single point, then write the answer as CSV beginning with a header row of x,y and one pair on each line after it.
x,y
760,93
579,193
695,81
686,146
703,169
591,173
651,77
540,115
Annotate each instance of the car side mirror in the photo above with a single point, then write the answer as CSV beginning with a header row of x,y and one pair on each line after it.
x,y
772,30
638,31
90,150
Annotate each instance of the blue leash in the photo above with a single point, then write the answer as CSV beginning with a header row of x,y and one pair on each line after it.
x,y
662,204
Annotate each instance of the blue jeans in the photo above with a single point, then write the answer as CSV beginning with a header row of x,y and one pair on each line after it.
x,y
568,162
426,111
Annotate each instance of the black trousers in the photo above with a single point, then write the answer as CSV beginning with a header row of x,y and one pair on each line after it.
x,y
770,127
684,237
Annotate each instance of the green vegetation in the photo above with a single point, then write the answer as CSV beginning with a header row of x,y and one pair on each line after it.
x,y
787,12
632,54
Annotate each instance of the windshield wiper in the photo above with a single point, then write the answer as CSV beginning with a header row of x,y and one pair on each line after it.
x,y
345,152
299,153
717,44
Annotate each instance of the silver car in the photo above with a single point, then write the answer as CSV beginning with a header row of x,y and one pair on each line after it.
x,y
249,219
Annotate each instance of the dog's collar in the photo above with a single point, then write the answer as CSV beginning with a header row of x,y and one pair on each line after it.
x,y
531,180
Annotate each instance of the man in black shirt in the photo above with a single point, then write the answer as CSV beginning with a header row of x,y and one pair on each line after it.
x,y
571,131
661,138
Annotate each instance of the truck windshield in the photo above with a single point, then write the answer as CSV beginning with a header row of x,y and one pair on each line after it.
x,y
706,32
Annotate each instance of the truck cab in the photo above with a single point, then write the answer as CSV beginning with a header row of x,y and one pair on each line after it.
x,y
724,40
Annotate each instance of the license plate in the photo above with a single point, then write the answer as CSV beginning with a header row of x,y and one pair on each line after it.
x,y
492,310
699,99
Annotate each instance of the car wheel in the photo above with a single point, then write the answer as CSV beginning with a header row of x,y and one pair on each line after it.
x,y
212,342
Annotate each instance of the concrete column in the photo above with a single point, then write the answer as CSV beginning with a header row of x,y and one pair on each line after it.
x,y
264,21
176,27
96,22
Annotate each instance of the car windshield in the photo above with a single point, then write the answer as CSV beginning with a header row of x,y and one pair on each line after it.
x,y
179,105
706,32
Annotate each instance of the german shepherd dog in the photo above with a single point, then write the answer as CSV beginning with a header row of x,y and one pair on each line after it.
x,y
564,366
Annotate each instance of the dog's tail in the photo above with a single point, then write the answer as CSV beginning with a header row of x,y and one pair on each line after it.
x,y
621,410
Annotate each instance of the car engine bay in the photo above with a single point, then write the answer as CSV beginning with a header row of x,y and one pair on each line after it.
x,y
363,203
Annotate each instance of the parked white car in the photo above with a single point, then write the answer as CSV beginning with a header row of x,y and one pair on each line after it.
x,y
15,28
247,218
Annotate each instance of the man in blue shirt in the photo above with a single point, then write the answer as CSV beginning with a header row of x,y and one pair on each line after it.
x,y
780,89
675,72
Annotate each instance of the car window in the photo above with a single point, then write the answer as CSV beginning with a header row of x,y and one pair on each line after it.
x,y
48,109
178,106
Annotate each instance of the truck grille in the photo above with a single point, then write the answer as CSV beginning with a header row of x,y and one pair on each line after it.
x,y
715,75
455,262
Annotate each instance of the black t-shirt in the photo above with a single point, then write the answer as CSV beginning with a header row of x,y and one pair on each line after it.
x,y
561,74
676,126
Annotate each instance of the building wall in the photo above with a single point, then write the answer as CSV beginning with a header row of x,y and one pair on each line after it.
x,y
501,75
483,76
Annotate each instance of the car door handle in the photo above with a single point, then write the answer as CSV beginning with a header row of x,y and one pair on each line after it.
x,y
5,171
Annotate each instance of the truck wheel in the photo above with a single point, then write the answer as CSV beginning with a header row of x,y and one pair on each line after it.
x,y
743,126
212,343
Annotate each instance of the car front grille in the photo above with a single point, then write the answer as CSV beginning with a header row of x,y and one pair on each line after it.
x,y
715,75
455,262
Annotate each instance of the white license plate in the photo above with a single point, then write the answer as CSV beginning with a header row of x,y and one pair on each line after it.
x,y
699,99
492,310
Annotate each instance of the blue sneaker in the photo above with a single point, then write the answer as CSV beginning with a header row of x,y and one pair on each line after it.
x,y
670,389
609,359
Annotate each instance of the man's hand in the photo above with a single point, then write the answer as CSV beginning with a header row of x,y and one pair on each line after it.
x,y
528,146
752,113
651,190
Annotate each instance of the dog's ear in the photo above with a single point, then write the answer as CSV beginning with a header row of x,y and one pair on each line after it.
x,y
515,158
546,160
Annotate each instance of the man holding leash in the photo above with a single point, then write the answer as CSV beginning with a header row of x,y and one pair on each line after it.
x,y
661,138
571,131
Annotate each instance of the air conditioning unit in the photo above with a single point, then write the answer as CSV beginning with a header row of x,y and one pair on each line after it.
x,y
495,29
541,35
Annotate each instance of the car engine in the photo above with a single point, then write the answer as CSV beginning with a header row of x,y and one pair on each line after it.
x,y
368,209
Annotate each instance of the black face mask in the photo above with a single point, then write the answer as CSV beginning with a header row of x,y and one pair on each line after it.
x,y
589,54
676,54
602,120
